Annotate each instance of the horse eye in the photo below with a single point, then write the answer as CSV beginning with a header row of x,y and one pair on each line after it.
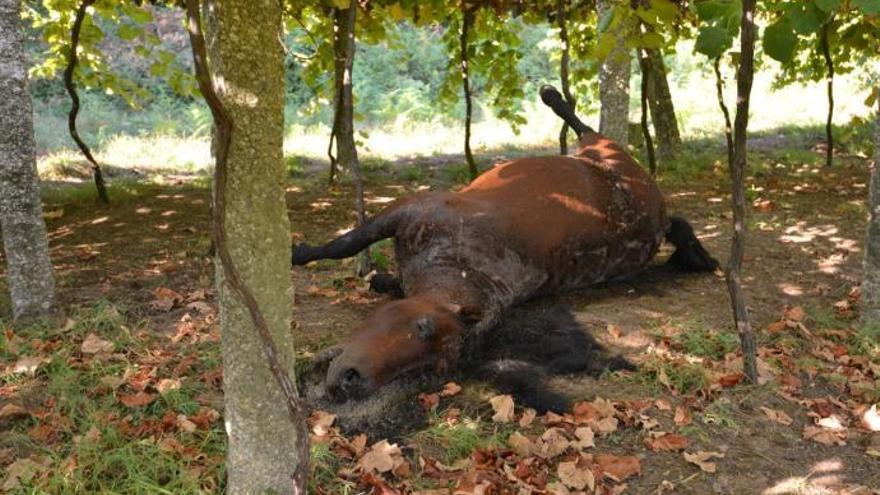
x,y
427,327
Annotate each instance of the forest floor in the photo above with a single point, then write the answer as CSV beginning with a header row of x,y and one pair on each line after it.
x,y
123,395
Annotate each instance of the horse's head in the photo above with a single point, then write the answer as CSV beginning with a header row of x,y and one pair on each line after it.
x,y
400,336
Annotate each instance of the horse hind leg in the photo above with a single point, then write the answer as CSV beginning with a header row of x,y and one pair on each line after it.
x,y
689,255
381,227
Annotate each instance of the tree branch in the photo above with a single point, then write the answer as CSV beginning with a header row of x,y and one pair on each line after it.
x,y
72,59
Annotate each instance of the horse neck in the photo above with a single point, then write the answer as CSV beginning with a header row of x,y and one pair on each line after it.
x,y
445,285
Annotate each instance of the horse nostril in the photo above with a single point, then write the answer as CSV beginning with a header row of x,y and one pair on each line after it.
x,y
351,378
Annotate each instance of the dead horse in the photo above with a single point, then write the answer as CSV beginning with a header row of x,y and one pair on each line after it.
x,y
524,228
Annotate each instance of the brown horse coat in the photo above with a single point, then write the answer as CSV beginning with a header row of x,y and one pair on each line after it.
x,y
527,227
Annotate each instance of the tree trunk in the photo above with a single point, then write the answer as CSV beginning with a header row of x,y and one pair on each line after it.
x,y
563,73
662,109
870,301
29,269
829,65
646,131
614,76
343,123
72,60
744,78
466,22
268,444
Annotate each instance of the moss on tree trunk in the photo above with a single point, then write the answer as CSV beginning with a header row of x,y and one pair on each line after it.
x,y
247,62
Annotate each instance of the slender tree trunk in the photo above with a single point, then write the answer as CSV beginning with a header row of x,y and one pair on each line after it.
x,y
72,60
614,74
870,301
737,171
662,108
28,267
344,48
646,131
467,22
719,90
268,444
829,64
563,73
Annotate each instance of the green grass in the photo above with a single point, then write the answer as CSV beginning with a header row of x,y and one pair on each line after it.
x,y
698,340
451,442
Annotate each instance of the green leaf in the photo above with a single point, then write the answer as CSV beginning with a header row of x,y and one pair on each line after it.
x,y
780,40
869,7
127,32
713,41
827,5
807,19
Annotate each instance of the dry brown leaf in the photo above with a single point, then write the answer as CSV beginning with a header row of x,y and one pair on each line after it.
x,y
381,458
823,435
13,410
871,418
574,477
585,438
605,425
795,314
527,417
429,402
670,442
28,365
552,443
663,405
520,444
503,407
618,468
778,416
184,424
94,344
139,399
450,389
682,416
166,385
702,458
166,299
20,471
321,422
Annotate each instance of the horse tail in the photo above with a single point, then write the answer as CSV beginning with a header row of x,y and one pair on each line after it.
x,y
553,99
689,254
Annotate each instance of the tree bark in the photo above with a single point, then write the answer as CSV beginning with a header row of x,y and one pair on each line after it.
x,y
344,48
870,299
466,22
662,108
744,78
268,444
29,269
646,131
829,65
614,74
564,72
72,60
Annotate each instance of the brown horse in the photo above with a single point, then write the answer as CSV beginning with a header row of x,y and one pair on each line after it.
x,y
524,228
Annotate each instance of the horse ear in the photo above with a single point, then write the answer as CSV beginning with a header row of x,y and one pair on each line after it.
x,y
427,327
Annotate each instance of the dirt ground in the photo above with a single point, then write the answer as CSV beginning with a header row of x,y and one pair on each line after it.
x,y
804,251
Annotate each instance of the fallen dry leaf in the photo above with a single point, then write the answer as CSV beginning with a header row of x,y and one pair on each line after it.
x,y
503,407
450,389
575,477
429,402
682,416
552,443
528,416
824,436
321,422
778,416
702,458
94,344
139,399
619,468
166,385
670,442
520,444
184,424
871,418
166,299
381,458
13,410
28,365
585,438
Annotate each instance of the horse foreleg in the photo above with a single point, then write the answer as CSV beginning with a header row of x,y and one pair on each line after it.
x,y
381,227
